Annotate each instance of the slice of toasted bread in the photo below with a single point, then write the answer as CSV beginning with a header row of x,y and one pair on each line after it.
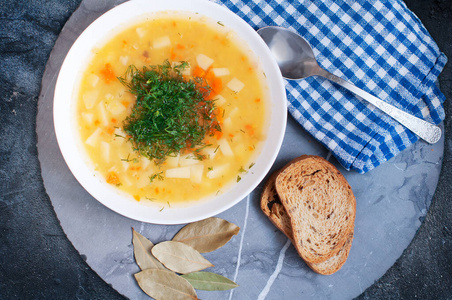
x,y
320,204
333,264
272,207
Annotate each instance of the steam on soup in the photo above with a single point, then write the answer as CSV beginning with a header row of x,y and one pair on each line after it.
x,y
172,109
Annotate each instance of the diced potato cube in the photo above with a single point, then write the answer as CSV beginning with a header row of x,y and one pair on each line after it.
x,y
90,98
235,85
188,160
204,61
93,139
88,117
220,100
124,60
218,171
143,181
116,107
161,42
105,150
210,152
125,165
233,112
145,162
141,32
196,172
227,123
93,79
173,161
126,181
183,172
103,114
220,71
225,148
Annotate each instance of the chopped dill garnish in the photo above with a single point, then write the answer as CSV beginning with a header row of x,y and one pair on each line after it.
x,y
252,164
135,160
210,168
171,113
239,178
216,149
242,170
158,176
219,23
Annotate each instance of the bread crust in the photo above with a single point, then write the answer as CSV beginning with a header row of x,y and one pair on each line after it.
x,y
320,204
272,207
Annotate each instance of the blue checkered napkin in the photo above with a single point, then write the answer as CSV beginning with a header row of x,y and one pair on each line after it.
x,y
381,47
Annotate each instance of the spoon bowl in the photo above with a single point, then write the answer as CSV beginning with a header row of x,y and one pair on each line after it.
x,y
292,53
297,61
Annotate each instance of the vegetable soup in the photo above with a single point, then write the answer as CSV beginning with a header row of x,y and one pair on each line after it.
x,y
173,109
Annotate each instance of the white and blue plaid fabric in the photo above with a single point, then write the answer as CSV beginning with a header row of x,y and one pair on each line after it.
x,y
381,47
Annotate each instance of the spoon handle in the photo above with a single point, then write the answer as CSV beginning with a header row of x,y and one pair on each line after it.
x,y
425,130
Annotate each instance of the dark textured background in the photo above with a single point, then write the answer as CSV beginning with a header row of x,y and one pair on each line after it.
x,y
36,259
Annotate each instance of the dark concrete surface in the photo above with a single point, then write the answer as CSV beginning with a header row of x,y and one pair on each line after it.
x,y
37,261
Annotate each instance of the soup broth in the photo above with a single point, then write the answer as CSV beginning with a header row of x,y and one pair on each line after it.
x,y
237,87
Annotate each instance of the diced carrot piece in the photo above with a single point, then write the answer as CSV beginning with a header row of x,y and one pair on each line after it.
x,y
250,129
198,72
219,114
97,122
125,103
217,85
257,100
112,178
113,120
136,197
107,73
214,82
172,54
218,134
210,75
110,130
180,46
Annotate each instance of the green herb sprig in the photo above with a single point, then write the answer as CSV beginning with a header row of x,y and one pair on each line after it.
x,y
171,113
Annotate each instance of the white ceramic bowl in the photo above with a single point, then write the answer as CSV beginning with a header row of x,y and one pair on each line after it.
x,y
68,136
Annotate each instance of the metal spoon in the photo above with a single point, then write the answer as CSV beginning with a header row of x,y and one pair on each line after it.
x,y
297,61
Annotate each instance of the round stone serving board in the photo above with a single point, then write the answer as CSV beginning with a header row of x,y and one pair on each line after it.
x,y
392,201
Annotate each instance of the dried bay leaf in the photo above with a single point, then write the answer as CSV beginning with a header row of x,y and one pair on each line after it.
x,y
142,252
180,257
209,281
207,235
165,284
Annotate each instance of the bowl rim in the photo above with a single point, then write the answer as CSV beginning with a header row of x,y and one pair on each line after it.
x,y
70,147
